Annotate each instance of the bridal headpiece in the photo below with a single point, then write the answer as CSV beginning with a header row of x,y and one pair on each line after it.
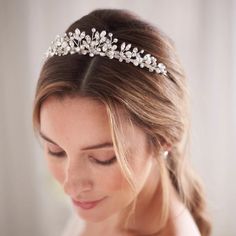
x,y
102,43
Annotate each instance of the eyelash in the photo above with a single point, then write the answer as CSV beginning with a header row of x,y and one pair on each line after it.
x,y
107,162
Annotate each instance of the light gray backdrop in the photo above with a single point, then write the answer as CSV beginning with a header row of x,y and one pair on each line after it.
x,y
205,35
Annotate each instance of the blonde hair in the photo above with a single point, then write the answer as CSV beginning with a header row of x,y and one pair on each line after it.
x,y
153,102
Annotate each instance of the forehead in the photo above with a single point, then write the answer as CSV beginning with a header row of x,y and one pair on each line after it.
x,y
72,108
70,116
78,122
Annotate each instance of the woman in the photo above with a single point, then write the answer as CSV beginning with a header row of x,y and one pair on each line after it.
x,y
111,107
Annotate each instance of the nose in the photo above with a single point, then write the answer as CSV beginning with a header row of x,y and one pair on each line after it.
x,y
77,179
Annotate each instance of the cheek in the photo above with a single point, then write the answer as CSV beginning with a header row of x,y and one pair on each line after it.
x,y
55,166
110,178
57,170
115,185
141,168
112,182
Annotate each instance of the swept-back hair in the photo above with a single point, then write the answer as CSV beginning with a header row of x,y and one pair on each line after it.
x,y
151,101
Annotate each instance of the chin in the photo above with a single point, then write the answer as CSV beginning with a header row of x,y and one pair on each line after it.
x,y
93,216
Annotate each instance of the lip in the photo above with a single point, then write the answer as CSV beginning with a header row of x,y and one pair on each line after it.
x,y
87,205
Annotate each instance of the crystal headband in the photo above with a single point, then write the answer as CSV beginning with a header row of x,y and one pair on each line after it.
x,y
102,44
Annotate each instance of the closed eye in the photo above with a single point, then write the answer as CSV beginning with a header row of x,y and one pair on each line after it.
x,y
106,162
57,154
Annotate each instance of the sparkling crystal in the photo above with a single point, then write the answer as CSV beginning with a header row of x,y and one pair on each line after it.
x,y
161,66
104,48
128,54
102,40
87,37
154,59
76,36
82,35
122,47
103,33
85,43
139,59
128,46
97,35
148,61
111,56
147,57
135,62
99,44
92,44
71,43
64,44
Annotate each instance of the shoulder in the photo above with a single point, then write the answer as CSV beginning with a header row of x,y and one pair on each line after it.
x,y
181,224
181,221
184,224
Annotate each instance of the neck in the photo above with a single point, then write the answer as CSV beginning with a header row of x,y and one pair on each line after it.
x,y
148,204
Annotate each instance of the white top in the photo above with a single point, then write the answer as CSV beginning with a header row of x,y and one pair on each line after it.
x,y
74,227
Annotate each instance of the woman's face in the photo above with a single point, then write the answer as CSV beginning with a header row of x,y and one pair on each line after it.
x,y
80,155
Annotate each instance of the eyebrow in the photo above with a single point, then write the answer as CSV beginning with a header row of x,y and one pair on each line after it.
x,y
95,146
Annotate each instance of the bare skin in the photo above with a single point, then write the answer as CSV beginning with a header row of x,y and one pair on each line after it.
x,y
70,125
180,222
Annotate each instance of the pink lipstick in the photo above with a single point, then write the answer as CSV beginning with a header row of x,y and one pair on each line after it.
x,y
87,205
